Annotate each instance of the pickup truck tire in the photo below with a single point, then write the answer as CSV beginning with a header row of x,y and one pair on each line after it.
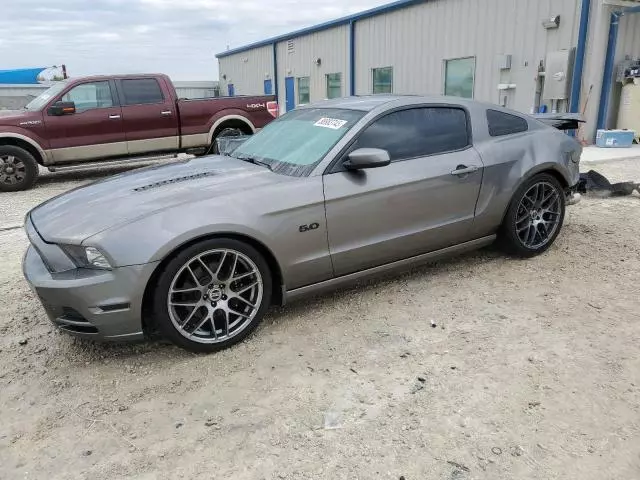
x,y
225,132
18,169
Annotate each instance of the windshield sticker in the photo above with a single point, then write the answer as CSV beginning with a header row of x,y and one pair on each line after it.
x,y
332,123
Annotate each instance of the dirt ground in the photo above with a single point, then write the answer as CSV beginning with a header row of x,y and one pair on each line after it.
x,y
531,372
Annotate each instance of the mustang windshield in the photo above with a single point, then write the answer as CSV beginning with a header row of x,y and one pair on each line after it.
x,y
296,142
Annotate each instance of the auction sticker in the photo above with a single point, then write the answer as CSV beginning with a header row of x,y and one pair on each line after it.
x,y
333,123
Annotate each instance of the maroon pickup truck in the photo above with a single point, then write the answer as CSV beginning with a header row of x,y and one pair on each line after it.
x,y
87,121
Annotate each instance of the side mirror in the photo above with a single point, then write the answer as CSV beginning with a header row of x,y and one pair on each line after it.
x,y
367,158
62,108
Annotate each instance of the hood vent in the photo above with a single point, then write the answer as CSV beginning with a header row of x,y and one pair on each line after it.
x,y
174,180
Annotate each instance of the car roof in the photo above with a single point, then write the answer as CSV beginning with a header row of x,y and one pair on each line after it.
x,y
368,103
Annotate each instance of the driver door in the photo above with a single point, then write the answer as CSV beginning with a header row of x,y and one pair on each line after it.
x,y
94,131
414,205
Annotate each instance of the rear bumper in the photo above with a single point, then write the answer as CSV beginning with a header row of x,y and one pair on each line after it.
x,y
95,304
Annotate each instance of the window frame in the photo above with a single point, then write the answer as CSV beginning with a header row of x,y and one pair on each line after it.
x,y
373,80
445,63
115,101
336,164
327,84
123,101
486,114
308,78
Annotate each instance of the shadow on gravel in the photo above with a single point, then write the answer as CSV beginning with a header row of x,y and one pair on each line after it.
x,y
155,349
49,178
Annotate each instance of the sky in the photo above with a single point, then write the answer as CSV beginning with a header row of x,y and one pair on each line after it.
x,y
176,37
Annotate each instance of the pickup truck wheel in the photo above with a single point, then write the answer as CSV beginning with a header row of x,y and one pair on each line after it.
x,y
18,169
535,216
225,132
212,295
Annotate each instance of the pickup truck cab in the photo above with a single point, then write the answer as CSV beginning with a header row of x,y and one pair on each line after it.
x,y
85,122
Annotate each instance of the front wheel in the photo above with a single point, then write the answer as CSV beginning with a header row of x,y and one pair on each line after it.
x,y
212,295
535,216
18,169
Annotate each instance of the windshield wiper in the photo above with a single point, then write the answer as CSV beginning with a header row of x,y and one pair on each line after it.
x,y
255,161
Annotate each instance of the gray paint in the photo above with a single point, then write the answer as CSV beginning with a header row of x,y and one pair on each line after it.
x,y
139,218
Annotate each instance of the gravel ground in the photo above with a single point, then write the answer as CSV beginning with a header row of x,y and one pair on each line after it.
x,y
532,371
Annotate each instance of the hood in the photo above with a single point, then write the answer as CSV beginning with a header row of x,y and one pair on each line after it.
x,y
16,117
78,214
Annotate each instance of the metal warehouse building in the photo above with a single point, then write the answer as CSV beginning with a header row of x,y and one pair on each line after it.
x,y
529,55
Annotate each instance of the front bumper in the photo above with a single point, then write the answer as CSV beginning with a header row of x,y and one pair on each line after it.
x,y
96,304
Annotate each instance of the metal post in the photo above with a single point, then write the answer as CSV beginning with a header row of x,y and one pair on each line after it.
x,y
352,57
607,77
580,51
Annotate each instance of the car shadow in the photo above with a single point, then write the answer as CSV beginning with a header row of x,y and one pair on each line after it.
x,y
155,347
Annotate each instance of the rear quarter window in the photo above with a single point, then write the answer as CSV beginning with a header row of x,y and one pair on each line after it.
x,y
501,123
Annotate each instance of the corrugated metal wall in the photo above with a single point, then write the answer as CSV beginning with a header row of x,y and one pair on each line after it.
x,y
330,46
417,40
247,71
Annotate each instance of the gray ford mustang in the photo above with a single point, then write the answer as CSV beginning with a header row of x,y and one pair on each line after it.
x,y
329,193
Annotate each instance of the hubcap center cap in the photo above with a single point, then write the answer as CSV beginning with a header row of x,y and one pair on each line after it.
x,y
215,294
9,170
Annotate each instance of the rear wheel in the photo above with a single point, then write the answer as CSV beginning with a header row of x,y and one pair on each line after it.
x,y
224,133
212,295
535,216
18,169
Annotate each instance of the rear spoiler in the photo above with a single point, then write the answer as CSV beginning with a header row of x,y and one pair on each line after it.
x,y
561,121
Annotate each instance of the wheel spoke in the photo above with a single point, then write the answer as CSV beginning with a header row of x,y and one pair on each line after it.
x,y
235,312
531,235
224,257
185,290
195,278
206,319
189,317
247,288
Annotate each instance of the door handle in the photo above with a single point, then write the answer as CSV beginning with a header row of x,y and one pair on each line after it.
x,y
166,113
464,170
114,117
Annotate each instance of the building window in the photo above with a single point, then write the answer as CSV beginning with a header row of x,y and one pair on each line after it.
x,y
459,76
383,80
304,96
334,85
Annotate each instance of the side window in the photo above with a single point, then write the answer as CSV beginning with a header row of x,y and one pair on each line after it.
x,y
501,123
141,91
417,132
88,96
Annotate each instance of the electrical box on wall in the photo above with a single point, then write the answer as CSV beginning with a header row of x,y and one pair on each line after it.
x,y
504,62
558,72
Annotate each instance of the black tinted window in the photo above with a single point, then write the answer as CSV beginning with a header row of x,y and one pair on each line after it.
x,y
501,123
141,91
417,132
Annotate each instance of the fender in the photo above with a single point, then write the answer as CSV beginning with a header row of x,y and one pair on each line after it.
x,y
43,155
227,115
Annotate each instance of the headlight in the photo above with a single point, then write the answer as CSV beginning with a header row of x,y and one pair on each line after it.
x,y
86,257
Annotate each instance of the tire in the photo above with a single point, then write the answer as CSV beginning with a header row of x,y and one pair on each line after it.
x,y
530,228
225,132
18,169
197,308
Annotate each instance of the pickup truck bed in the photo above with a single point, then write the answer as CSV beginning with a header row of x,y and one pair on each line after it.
x,y
109,118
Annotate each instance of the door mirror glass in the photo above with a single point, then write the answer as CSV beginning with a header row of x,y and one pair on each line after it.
x,y
367,158
62,108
